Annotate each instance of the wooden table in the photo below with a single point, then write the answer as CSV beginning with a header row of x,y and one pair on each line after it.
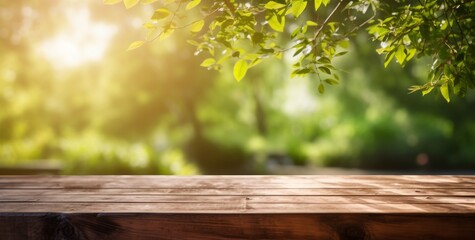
x,y
237,207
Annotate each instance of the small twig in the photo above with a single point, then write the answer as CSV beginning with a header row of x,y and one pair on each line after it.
x,y
451,27
328,19
191,23
460,27
170,22
360,26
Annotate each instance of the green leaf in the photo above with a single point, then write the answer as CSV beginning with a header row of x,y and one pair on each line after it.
x,y
240,69
444,25
197,26
135,45
192,4
130,3
311,23
208,62
321,88
303,71
110,2
388,58
294,33
336,77
325,2
274,5
444,89
298,7
298,51
323,60
317,4
325,69
427,91
160,13
277,22
411,53
341,53
331,81
255,62
400,54
345,43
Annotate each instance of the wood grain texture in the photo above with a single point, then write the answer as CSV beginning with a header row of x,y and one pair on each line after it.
x,y
237,207
236,226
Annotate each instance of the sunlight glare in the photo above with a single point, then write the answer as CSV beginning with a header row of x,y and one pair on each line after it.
x,y
298,99
82,41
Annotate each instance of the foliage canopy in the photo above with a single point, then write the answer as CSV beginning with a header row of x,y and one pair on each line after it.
x,y
316,32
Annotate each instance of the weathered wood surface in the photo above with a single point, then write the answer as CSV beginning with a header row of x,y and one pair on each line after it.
x,y
237,207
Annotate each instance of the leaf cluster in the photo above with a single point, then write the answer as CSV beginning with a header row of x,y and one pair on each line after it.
x,y
442,30
315,32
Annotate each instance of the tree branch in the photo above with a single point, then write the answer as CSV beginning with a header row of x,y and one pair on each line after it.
x,y
231,6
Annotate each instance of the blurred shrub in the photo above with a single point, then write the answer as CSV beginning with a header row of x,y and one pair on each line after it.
x,y
94,154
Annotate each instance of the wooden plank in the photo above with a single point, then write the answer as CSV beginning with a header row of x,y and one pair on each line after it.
x,y
117,198
270,178
235,207
246,191
203,184
236,226
233,182
248,179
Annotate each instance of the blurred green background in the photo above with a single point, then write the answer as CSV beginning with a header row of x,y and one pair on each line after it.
x,y
73,101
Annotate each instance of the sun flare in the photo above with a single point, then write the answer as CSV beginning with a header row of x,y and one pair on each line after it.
x,y
83,40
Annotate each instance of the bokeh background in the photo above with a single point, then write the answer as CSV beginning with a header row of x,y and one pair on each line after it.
x,y
73,101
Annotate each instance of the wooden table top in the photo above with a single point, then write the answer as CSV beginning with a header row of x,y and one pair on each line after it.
x,y
238,194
